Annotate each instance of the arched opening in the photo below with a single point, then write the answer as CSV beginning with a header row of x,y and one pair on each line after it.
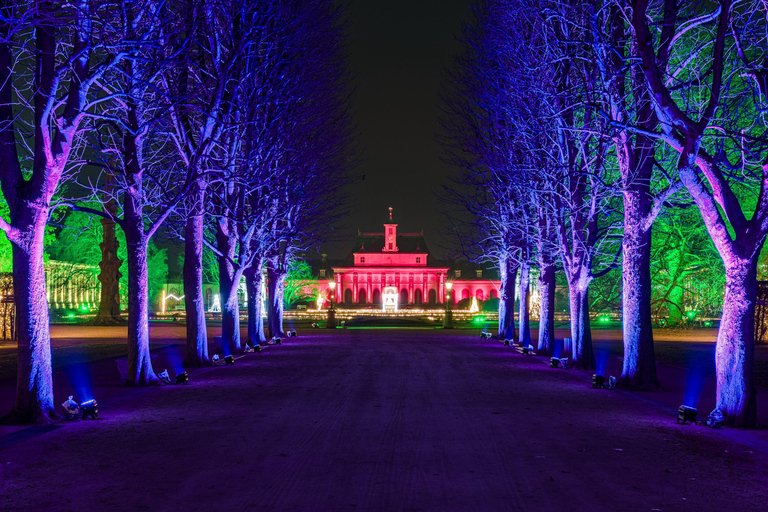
x,y
361,297
432,296
417,297
403,297
479,295
465,294
348,296
494,294
376,296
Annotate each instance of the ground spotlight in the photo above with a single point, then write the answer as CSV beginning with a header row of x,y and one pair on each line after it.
x,y
687,414
558,362
506,343
598,381
715,419
72,409
90,408
276,341
229,361
182,378
528,350
291,334
485,335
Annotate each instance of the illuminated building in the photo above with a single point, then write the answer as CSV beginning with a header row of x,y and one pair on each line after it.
x,y
390,262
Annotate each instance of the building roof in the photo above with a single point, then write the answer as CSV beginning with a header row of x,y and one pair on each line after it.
x,y
368,243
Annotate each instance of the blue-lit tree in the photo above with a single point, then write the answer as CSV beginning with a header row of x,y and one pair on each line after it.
x,y
132,145
646,182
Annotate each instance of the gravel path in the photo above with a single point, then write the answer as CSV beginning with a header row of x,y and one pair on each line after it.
x,y
381,420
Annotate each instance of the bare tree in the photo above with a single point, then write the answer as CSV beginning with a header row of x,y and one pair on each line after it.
x,y
51,57
705,67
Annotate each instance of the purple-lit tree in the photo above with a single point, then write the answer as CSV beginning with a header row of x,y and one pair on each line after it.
x,y
705,67
52,56
623,98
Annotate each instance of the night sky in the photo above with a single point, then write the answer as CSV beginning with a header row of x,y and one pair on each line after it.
x,y
399,51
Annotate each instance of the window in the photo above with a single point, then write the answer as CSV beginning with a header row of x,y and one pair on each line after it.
x,y
362,259
390,246
457,273
322,272
479,273
418,260
391,231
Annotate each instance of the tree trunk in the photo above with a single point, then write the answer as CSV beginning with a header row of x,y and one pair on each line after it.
x,y
676,306
275,286
508,274
253,282
194,301
639,369
581,333
547,285
109,303
34,380
524,307
230,309
140,371
736,393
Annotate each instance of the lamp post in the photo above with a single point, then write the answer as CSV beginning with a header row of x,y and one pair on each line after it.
x,y
331,312
448,320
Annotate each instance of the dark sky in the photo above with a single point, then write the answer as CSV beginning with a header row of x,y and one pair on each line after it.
x,y
398,52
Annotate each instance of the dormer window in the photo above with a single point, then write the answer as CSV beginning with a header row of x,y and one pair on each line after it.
x,y
457,273
418,259
362,259
322,272
479,273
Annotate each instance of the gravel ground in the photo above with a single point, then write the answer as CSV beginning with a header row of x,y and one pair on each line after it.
x,y
380,420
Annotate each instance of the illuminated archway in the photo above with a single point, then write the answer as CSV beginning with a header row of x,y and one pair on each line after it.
x,y
361,298
417,297
390,299
479,294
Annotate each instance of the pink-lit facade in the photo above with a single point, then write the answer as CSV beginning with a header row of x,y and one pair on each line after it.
x,y
402,261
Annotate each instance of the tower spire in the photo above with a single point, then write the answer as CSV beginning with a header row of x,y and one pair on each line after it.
x,y
390,213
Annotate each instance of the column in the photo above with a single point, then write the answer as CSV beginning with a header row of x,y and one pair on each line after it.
x,y
355,290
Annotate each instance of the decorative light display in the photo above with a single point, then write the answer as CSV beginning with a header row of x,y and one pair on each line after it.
x,y
216,306
389,300
474,308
